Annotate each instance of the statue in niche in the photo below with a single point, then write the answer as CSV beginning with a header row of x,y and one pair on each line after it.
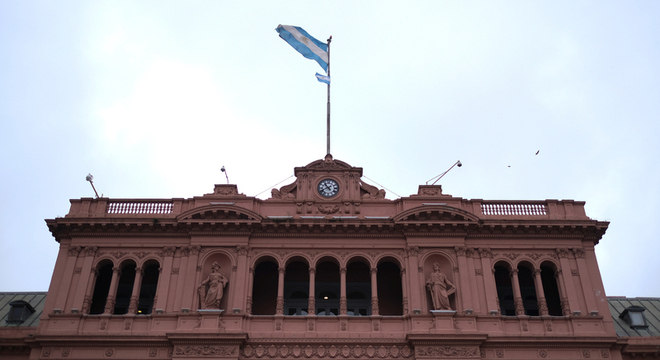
x,y
440,288
211,290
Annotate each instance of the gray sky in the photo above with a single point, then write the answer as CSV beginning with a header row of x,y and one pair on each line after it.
x,y
152,97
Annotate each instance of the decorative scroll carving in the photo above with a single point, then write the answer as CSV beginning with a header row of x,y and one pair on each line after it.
x,y
167,251
75,250
90,250
225,189
241,250
485,253
205,350
211,290
429,190
579,253
446,352
285,192
460,251
371,192
284,351
543,353
562,253
328,209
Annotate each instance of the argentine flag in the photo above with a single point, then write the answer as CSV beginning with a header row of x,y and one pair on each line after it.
x,y
305,44
323,78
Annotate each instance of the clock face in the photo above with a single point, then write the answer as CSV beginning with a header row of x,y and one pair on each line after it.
x,y
328,188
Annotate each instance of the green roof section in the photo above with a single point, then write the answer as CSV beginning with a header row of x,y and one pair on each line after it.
x,y
651,315
36,299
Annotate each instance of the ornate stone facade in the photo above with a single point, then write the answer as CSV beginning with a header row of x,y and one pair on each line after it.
x,y
335,274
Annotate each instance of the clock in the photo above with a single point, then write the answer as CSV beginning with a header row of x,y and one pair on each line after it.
x,y
328,188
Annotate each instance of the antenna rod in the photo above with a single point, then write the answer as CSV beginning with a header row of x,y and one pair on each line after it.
x,y
90,178
438,177
225,171
328,110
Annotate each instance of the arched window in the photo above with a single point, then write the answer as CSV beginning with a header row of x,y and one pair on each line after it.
x,y
296,287
390,292
148,287
327,287
550,288
358,288
528,289
504,289
264,288
124,287
101,287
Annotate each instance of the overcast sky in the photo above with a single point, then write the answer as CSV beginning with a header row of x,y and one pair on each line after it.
x,y
152,97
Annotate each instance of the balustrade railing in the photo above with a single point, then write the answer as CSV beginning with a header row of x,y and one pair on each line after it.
x,y
514,209
139,207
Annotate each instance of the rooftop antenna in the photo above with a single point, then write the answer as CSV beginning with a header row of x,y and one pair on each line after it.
x,y
90,178
438,177
225,171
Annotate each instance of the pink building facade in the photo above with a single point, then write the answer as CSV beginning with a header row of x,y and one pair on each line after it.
x,y
326,268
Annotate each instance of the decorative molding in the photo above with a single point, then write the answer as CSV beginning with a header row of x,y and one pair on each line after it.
x,y
562,253
353,351
486,253
90,250
168,251
447,352
75,250
579,253
205,350
542,353
328,209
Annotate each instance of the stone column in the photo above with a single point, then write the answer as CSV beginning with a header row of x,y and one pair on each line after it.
x,y
404,290
82,297
517,297
193,271
415,299
540,294
374,291
248,298
492,302
137,284
464,280
68,277
342,291
585,279
241,266
565,308
164,278
567,279
311,303
279,310
112,292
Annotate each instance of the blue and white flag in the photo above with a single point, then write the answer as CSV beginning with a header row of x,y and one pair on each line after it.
x,y
323,78
305,44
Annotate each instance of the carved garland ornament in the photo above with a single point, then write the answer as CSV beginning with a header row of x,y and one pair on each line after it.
x,y
334,351
446,352
204,350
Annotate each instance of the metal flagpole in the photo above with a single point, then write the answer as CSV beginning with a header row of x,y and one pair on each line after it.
x,y
328,112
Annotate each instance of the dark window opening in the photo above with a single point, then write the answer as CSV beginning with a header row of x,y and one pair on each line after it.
x,y
358,289
551,290
296,288
504,290
326,284
101,288
148,288
528,290
390,292
264,289
19,312
124,288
